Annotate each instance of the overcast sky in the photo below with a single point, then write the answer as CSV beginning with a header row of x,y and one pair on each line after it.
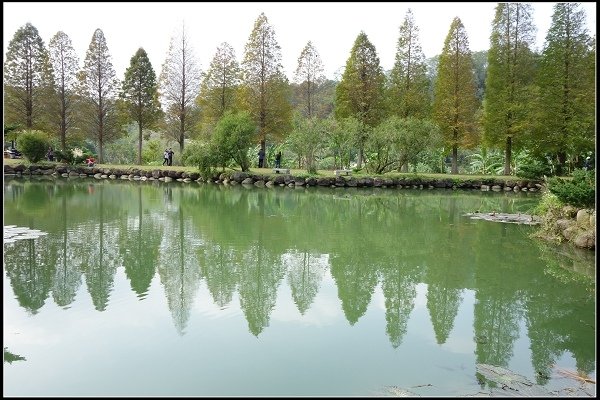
x,y
332,27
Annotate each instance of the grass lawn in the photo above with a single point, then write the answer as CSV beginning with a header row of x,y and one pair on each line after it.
x,y
269,171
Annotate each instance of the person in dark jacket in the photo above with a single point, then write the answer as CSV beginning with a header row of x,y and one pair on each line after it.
x,y
261,158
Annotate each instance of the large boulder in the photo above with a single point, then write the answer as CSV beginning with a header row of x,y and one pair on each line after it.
x,y
586,239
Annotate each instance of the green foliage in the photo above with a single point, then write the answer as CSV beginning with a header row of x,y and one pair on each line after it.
x,y
549,204
11,131
580,191
510,72
33,144
341,136
233,136
153,152
123,149
65,156
191,153
65,65
455,103
480,62
140,93
409,87
360,93
307,140
309,76
485,162
228,145
219,86
206,161
534,168
28,80
397,141
98,84
265,91
565,112
431,161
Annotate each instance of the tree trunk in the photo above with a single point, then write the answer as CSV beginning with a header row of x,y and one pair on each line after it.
x,y
360,158
562,161
508,156
455,159
263,147
140,143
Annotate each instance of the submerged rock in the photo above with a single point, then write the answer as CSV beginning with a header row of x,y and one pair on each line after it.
x,y
507,218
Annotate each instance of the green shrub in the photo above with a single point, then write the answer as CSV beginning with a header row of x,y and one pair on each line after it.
x,y
152,154
232,138
191,153
580,191
33,144
64,156
549,204
534,169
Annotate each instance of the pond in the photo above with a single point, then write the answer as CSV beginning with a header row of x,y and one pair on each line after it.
x,y
168,289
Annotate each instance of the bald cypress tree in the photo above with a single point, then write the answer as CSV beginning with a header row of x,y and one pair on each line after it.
x,y
455,102
65,64
219,86
265,91
510,73
309,75
179,87
99,88
409,85
566,79
28,80
360,93
140,92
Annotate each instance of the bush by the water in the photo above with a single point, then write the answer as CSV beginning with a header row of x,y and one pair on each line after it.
x,y
534,169
580,191
227,146
33,144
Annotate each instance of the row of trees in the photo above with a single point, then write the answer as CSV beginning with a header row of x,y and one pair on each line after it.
x,y
544,103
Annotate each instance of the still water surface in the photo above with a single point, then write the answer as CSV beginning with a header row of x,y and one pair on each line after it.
x,y
153,289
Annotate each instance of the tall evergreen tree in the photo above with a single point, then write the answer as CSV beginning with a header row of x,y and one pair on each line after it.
x,y
566,82
65,64
511,67
409,85
309,75
140,92
265,90
455,103
360,93
28,79
179,86
219,85
99,86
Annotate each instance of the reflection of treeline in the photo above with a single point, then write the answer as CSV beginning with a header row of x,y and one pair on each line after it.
x,y
247,241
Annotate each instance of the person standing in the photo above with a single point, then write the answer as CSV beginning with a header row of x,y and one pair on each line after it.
x,y
171,156
166,157
261,157
278,160
50,154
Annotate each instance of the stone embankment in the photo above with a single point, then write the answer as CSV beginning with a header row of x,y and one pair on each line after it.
x,y
269,180
576,226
